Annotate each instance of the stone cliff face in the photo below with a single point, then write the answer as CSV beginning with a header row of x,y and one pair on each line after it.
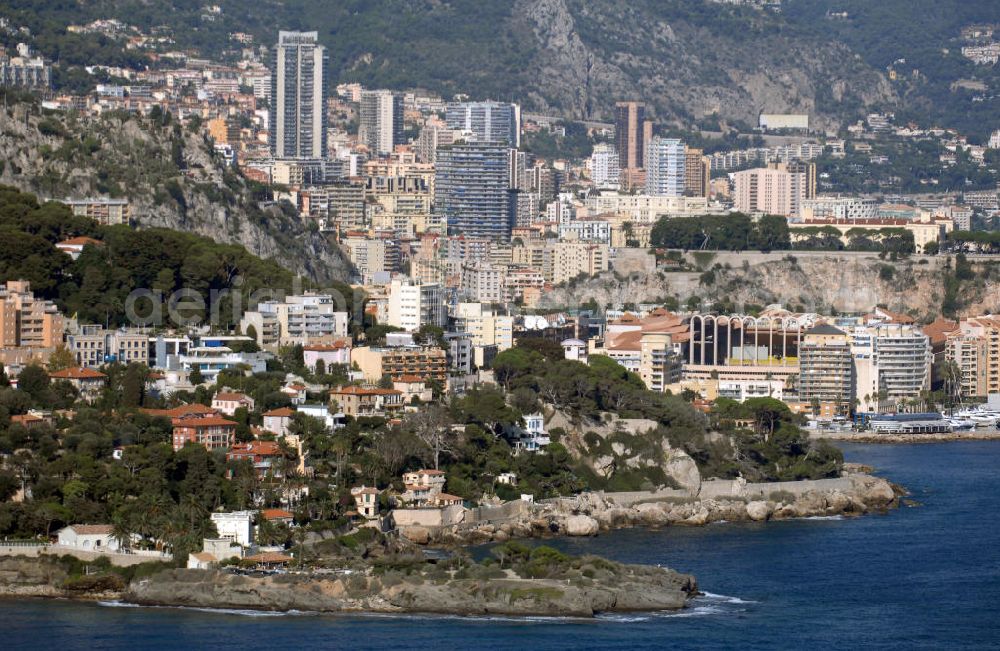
x,y
686,64
628,447
30,577
170,177
846,282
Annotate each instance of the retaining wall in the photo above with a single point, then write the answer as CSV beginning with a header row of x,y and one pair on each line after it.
x,y
33,550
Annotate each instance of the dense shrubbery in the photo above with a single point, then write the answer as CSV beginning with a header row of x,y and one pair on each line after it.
x,y
96,285
774,447
777,449
738,232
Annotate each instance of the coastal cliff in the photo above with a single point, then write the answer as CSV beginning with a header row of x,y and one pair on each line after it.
x,y
844,281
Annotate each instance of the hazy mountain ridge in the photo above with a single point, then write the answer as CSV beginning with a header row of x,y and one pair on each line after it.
x,y
688,59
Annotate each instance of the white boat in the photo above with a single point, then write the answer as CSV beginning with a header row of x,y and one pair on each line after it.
x,y
961,424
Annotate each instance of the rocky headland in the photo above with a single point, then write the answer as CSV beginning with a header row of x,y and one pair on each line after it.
x,y
595,586
541,582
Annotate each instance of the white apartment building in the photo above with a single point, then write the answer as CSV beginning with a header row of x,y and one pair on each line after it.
x,y
296,320
665,167
412,305
645,208
484,325
561,210
211,360
891,360
604,169
236,526
483,282
586,229
381,121
840,208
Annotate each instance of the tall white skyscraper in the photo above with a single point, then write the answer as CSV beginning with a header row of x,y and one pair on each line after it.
x,y
665,162
298,97
486,121
381,126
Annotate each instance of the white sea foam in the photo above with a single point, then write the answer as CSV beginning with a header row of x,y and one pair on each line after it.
x,y
242,612
699,611
622,619
711,596
823,517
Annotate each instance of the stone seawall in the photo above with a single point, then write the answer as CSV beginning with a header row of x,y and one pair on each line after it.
x,y
588,514
423,525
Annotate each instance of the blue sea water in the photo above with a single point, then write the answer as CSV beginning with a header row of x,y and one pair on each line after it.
x,y
922,577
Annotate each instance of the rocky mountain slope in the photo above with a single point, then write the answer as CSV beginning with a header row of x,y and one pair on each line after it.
x,y
688,58
170,176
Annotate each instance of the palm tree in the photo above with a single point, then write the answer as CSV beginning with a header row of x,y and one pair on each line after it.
x,y
122,533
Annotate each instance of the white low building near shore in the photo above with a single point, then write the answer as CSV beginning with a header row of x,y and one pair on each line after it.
x,y
88,537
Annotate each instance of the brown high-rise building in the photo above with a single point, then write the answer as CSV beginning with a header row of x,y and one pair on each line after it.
x,y
632,132
809,169
697,173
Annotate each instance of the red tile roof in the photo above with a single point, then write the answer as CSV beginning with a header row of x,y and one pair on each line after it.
x,y
77,373
282,412
364,391
194,409
92,529
269,557
207,421
78,241
277,514
24,419
939,329
257,448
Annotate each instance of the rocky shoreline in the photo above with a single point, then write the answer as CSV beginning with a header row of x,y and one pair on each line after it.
x,y
579,588
590,514
584,589
631,588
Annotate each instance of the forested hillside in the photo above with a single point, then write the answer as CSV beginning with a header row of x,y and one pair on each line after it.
x,y
96,285
921,36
